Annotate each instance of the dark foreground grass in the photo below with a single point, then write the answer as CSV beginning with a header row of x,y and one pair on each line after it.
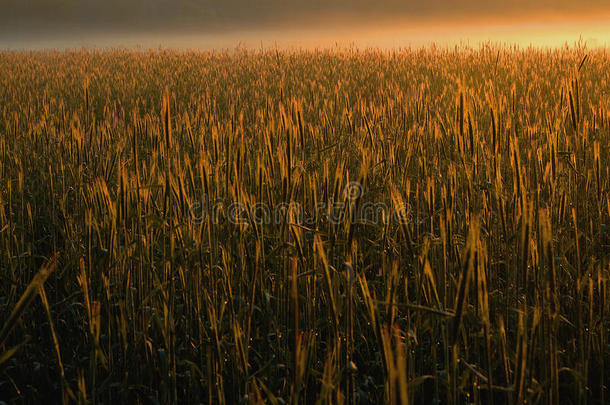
x,y
414,227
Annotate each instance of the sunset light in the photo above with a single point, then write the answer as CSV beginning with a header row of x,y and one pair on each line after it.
x,y
329,202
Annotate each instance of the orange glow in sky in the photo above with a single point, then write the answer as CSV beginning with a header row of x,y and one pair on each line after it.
x,y
553,31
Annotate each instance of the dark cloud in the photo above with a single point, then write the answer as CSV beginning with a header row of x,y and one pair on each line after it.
x,y
24,17
218,13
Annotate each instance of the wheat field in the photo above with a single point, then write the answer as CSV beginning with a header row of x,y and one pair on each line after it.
x,y
423,226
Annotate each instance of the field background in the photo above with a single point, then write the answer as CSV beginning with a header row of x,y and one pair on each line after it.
x,y
490,285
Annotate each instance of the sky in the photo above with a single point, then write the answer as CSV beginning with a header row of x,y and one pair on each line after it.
x,y
289,23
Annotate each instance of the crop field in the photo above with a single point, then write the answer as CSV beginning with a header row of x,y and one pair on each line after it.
x,y
424,226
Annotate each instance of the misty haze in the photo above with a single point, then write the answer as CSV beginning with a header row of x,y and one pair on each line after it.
x,y
209,24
